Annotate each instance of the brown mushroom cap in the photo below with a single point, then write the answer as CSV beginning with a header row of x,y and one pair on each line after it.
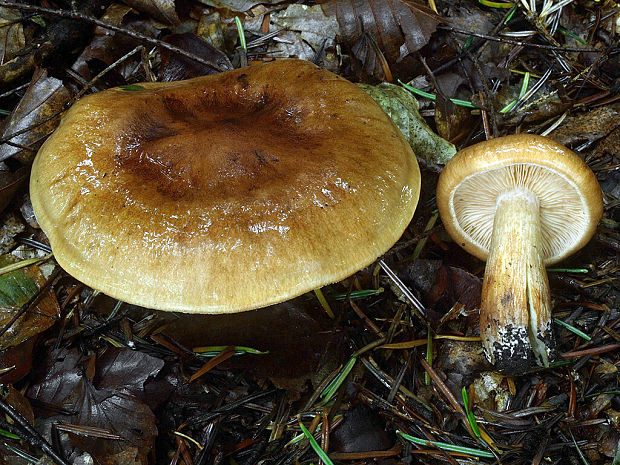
x,y
226,192
569,195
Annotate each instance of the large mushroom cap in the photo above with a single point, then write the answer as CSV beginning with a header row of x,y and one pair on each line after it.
x,y
226,192
569,195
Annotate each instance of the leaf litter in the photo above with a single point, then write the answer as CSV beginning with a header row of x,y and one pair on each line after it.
x,y
90,380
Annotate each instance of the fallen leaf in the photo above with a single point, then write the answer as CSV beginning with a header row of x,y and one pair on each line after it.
x,y
403,108
45,97
444,286
108,408
609,145
108,46
126,369
162,10
588,126
175,67
16,288
238,6
398,28
19,402
462,360
12,38
491,391
306,30
10,181
16,361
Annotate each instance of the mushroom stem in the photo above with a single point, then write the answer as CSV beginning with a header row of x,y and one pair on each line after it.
x,y
515,314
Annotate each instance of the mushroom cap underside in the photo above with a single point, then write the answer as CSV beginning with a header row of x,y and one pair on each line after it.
x,y
226,192
569,195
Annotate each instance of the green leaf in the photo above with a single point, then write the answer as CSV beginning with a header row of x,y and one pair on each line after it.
x,y
403,108
16,288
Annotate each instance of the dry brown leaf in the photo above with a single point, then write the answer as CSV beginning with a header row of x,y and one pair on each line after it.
x,y
108,46
44,98
162,10
9,183
11,34
237,5
588,126
175,67
102,409
397,28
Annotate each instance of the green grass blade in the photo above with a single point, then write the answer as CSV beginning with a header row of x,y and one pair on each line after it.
x,y
241,33
470,415
315,445
332,387
445,446
421,93
573,329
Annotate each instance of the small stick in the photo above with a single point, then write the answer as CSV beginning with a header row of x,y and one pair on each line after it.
x,y
35,438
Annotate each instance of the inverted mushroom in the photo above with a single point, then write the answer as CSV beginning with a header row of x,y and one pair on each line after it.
x,y
226,192
519,202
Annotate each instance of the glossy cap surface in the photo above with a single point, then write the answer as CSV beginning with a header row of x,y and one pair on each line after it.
x,y
569,194
226,192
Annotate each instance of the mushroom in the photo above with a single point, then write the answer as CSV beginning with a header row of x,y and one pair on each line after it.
x,y
226,192
519,202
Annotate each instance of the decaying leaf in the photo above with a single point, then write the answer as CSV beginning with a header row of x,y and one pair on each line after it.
x,y
237,5
306,30
162,10
11,34
403,108
491,391
588,126
108,46
175,67
16,361
108,421
44,98
462,360
16,288
212,28
10,181
126,369
397,27
17,343
18,401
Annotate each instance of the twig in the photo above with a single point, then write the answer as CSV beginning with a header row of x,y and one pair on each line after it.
x,y
35,438
518,42
103,24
